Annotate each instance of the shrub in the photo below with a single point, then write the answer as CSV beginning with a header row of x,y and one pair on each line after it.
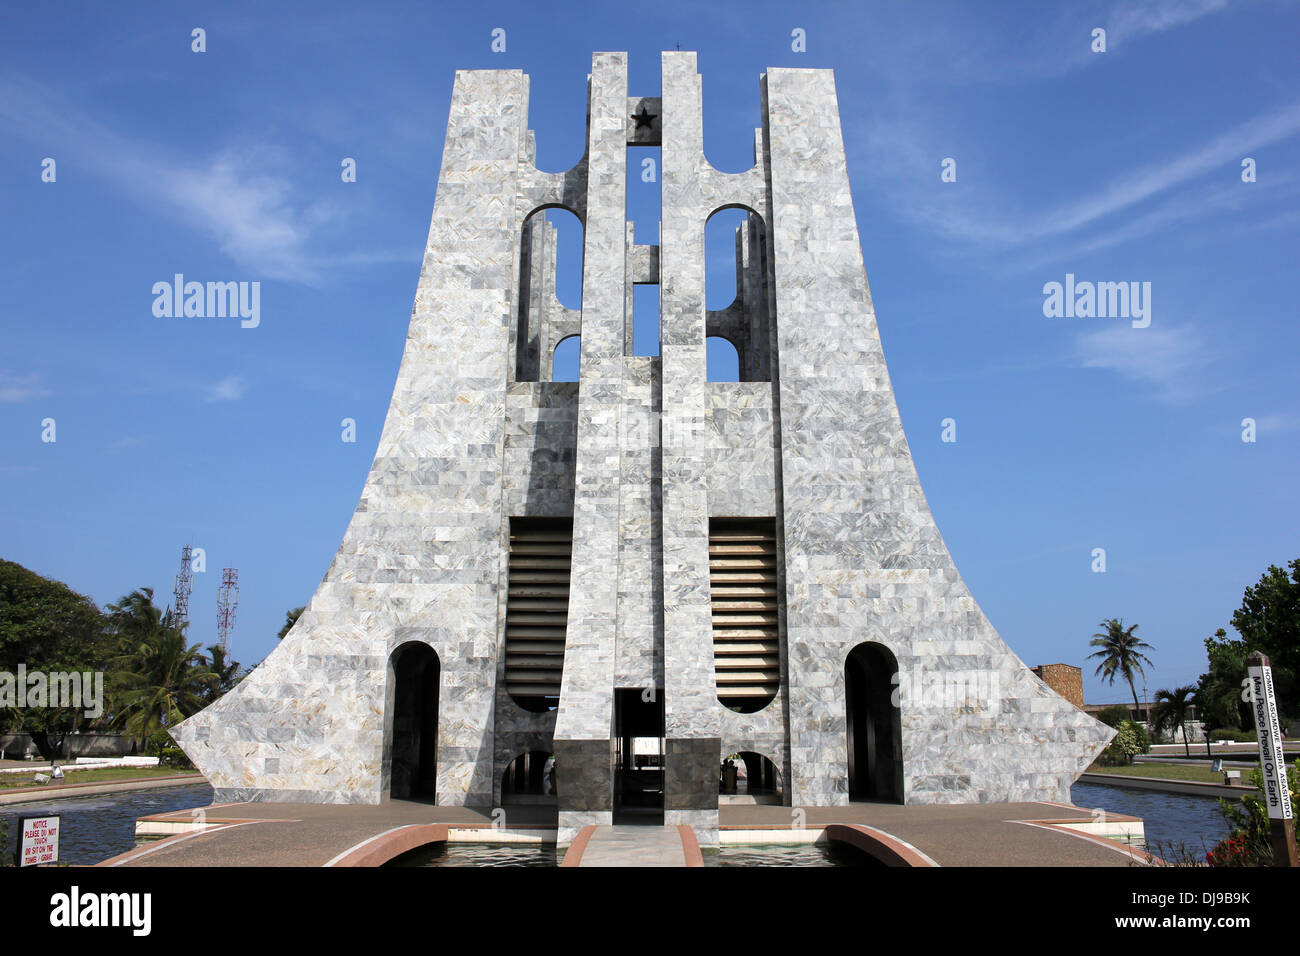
x,y
161,745
1130,739
1250,842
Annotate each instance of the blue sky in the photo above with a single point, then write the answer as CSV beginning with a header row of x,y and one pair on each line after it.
x,y
1072,433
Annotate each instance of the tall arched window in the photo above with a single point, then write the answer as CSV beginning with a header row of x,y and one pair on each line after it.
x,y
550,289
875,737
415,674
736,295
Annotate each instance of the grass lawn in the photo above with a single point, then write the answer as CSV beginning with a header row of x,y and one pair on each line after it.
x,y
11,781
1165,772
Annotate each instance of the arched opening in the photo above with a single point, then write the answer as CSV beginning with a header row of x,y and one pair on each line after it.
x,y
720,256
414,672
567,360
550,288
722,361
736,296
751,778
875,735
529,780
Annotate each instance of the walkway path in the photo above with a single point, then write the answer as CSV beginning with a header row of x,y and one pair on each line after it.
x,y
632,846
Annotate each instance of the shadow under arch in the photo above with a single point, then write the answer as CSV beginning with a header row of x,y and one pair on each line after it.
x,y
873,723
529,780
757,776
411,738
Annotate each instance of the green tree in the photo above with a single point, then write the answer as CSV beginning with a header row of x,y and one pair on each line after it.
x,y
1171,712
1121,654
1218,692
1269,622
47,627
290,619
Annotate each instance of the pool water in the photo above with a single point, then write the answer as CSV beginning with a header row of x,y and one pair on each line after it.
x,y
803,854
509,854
96,827
1172,820
480,854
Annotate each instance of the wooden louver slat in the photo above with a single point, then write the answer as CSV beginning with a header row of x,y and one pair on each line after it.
x,y
743,587
537,609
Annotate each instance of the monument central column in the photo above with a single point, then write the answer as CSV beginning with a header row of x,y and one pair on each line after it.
x,y
584,724
693,745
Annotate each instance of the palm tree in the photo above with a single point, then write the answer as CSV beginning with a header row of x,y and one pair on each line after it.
x,y
1121,653
159,680
162,684
134,618
1171,711
227,672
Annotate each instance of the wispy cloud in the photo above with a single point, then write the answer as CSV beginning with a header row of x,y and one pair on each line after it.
x,y
1132,21
19,388
258,218
1277,422
229,389
902,147
1172,358
962,43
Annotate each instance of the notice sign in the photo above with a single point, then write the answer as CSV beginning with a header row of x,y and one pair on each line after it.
x,y
1271,757
40,841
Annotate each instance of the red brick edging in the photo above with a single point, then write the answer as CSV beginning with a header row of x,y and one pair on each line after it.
x,y
573,856
877,843
691,846
387,846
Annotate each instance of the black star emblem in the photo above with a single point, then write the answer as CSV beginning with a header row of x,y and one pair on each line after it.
x,y
644,120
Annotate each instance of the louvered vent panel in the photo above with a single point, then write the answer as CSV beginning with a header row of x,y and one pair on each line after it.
x,y
537,609
746,635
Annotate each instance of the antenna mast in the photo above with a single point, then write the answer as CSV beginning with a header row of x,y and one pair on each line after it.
x,y
227,603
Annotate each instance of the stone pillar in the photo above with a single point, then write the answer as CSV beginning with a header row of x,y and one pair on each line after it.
x,y
693,745
584,724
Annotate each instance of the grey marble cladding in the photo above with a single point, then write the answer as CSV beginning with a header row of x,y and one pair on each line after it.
x,y
641,454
